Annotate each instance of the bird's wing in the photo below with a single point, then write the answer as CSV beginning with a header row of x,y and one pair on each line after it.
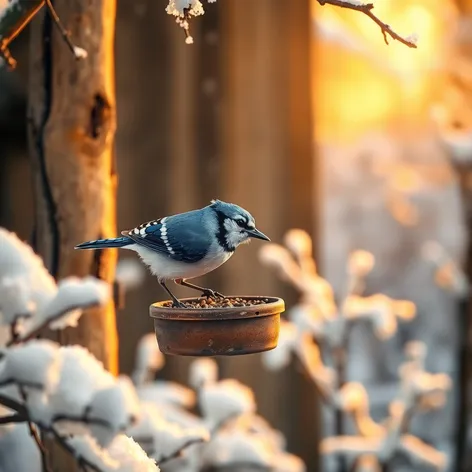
x,y
181,237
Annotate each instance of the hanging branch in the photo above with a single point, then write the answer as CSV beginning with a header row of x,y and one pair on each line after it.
x,y
16,15
367,8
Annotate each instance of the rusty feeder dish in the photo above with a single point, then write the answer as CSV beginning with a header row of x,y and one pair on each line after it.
x,y
219,331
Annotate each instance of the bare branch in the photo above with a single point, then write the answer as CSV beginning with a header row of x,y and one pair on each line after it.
x,y
42,448
82,419
13,405
367,8
77,52
176,454
12,21
16,418
17,15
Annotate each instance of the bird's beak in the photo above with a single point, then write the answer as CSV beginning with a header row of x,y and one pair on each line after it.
x,y
255,233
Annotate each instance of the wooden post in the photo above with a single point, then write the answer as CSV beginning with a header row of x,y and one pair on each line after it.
x,y
71,124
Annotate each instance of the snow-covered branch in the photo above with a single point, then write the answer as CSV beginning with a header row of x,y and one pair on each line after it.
x,y
419,390
317,333
184,11
367,9
62,391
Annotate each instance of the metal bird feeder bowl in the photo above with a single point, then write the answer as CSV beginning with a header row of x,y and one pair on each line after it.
x,y
218,331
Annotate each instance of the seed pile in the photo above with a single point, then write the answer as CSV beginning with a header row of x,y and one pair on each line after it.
x,y
219,302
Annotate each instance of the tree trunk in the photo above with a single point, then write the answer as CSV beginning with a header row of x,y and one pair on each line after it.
x,y
71,125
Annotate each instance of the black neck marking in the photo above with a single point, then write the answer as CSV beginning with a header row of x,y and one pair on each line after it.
x,y
221,234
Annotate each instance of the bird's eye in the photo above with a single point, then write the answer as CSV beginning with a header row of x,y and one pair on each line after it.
x,y
241,223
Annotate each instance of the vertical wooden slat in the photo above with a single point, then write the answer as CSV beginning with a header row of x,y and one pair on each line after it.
x,y
144,81
268,168
305,201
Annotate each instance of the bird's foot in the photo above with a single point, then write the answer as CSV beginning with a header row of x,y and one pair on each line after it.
x,y
209,293
178,304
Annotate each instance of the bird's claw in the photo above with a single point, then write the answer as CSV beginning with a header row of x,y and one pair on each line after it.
x,y
177,304
209,293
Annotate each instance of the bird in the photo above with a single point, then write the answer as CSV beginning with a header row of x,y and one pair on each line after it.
x,y
187,245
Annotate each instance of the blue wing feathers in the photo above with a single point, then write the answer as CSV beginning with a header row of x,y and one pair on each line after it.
x,y
181,237
105,243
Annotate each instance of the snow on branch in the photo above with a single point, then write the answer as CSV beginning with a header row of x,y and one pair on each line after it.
x,y
123,455
367,9
164,440
225,399
149,360
183,11
62,391
30,300
240,439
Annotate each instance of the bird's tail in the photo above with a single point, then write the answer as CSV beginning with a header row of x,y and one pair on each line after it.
x,y
105,243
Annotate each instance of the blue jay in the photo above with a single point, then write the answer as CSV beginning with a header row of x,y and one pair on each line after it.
x,y
187,245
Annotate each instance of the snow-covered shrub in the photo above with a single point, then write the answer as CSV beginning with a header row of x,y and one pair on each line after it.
x,y
316,332
60,391
226,433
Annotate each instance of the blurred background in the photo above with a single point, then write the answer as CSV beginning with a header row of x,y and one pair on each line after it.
x,y
304,116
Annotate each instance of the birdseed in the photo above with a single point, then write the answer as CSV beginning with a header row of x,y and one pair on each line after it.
x,y
218,302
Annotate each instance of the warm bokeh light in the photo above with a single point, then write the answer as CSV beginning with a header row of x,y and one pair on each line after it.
x,y
360,82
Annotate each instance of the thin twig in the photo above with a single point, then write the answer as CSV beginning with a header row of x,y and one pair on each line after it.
x,y
179,451
340,356
82,419
36,331
13,405
15,16
60,27
82,462
14,329
42,448
37,438
16,418
367,8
